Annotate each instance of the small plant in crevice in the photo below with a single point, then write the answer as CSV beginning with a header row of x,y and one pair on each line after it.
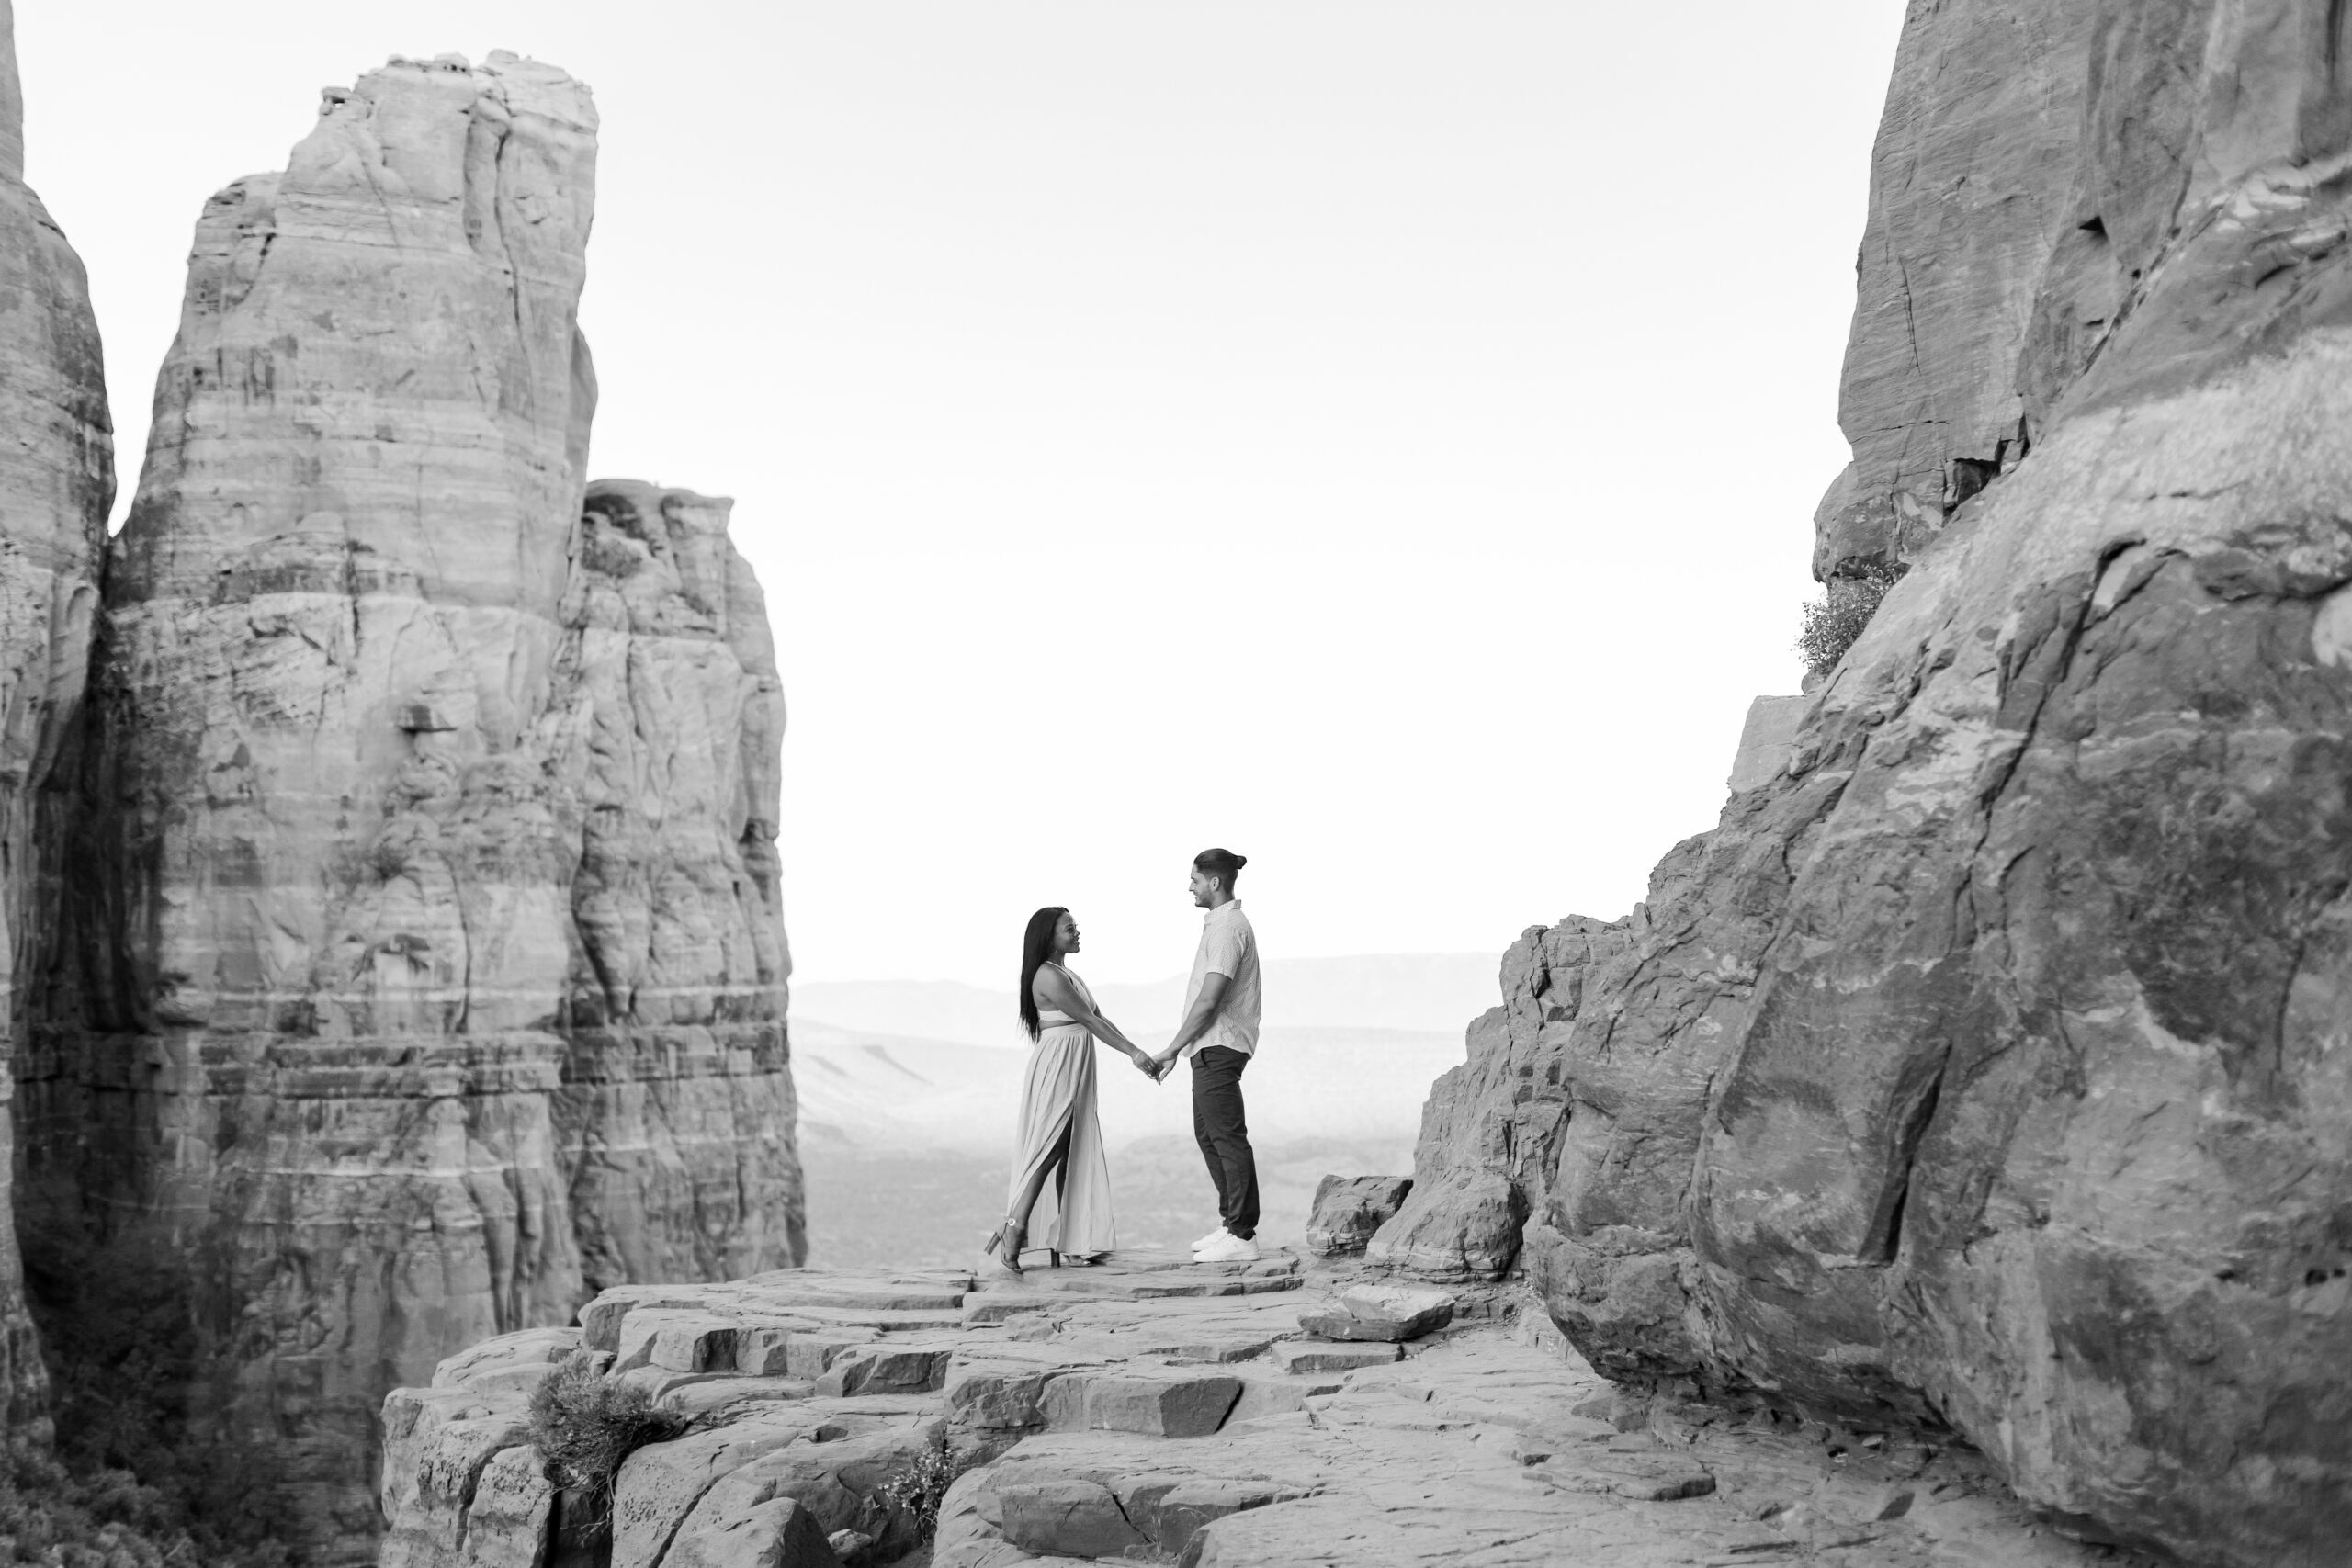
x,y
584,1425
918,1492
1834,621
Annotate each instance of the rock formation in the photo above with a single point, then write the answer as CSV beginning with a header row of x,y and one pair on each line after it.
x,y
678,1106
425,970
1986,1068
1348,1210
56,485
1152,1410
1765,741
1968,208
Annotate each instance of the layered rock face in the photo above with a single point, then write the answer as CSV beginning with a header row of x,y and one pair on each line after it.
x,y
1987,1067
1970,186
56,485
677,1110
427,971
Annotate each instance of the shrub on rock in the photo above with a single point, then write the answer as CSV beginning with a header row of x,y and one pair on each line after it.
x,y
1833,622
584,1425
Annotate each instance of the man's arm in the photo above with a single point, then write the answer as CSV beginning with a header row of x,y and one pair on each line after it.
x,y
1196,1022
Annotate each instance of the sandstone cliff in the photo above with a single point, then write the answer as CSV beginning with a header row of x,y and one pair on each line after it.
x,y
1969,189
1986,1068
56,485
424,967
677,1110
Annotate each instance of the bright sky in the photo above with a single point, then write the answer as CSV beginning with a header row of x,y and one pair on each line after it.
x,y
1381,438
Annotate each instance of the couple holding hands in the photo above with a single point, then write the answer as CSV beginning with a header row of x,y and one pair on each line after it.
x,y
1061,1183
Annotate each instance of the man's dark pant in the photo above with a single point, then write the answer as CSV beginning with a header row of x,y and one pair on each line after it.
x,y
1222,1134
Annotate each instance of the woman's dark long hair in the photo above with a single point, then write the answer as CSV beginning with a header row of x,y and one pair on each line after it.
x,y
1036,951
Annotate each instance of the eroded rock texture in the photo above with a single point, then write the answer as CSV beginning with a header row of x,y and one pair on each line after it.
x,y
429,973
56,484
1969,204
1991,1067
677,1106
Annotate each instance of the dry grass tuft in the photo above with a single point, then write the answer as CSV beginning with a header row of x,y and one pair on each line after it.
x,y
584,1425
919,1491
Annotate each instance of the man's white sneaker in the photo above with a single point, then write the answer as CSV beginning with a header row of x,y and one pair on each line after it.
x,y
1207,1239
1228,1249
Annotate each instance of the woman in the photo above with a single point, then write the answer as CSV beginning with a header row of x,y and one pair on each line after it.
x,y
1059,1135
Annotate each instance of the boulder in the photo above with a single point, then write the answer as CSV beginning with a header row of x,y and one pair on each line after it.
x,y
1349,1209
1415,1312
1390,1313
1462,1229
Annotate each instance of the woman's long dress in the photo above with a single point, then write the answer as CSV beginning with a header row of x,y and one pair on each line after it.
x,y
1073,1212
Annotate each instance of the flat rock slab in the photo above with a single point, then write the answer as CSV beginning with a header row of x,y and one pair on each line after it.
x,y
1340,1325
984,1307
1413,1312
1153,1403
803,1287
891,1320
1323,1356
1643,1478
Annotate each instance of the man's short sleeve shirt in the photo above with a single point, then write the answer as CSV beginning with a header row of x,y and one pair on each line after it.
x,y
1228,947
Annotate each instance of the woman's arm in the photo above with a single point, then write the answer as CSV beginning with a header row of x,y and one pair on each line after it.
x,y
1054,987
1197,1021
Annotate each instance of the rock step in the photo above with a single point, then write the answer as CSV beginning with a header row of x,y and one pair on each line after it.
x,y
1257,1462
781,1295
1046,1285
1002,1392
1297,1356
706,1342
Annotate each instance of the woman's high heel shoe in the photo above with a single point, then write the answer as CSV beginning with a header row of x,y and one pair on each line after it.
x,y
1005,1241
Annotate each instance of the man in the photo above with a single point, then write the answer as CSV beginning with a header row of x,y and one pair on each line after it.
x,y
1220,1034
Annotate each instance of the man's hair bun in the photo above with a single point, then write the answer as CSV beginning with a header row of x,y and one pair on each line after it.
x,y
1223,864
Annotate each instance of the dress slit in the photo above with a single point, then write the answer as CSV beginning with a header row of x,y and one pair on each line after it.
x,y
1058,1120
